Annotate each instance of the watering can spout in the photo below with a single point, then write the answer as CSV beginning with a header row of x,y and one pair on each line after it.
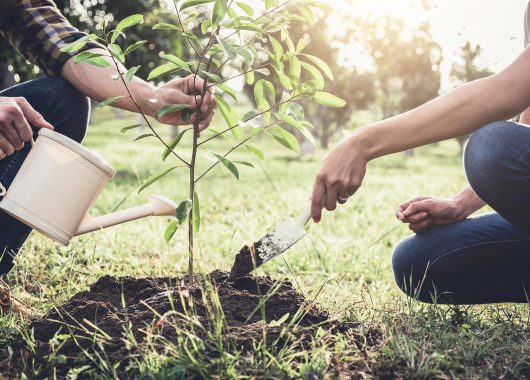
x,y
157,206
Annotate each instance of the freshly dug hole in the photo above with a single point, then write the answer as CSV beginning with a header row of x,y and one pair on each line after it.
x,y
113,303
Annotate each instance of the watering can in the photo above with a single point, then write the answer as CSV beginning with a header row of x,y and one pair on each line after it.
x,y
58,183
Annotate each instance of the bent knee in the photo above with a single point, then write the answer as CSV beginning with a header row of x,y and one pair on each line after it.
x,y
410,263
489,158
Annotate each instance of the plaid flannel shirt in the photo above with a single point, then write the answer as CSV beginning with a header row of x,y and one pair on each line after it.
x,y
38,30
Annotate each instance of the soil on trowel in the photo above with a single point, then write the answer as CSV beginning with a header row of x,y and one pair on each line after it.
x,y
246,261
121,310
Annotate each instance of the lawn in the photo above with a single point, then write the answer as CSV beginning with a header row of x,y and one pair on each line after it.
x,y
344,262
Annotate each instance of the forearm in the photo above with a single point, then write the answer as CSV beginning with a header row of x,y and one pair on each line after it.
x,y
97,83
468,202
457,113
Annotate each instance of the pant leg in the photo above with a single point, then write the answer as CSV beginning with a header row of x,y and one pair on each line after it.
x,y
484,259
68,111
497,163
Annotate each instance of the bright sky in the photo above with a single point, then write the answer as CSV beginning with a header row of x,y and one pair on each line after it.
x,y
496,24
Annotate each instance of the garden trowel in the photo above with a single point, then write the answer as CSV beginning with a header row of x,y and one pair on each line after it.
x,y
271,245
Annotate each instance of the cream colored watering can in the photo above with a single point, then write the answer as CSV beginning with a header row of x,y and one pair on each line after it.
x,y
58,183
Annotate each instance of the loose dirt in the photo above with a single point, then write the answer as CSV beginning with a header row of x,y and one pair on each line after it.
x,y
153,306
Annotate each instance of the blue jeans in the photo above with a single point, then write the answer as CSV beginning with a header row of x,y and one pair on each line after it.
x,y
68,111
484,259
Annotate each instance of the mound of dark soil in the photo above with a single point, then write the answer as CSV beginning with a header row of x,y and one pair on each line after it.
x,y
146,306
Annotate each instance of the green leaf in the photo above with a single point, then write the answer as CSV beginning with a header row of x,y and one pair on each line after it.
x,y
183,210
328,100
228,164
294,69
246,163
116,52
246,8
162,69
163,25
249,78
230,117
78,44
259,93
170,230
301,45
145,135
192,3
131,73
205,25
321,65
270,89
128,22
289,120
214,77
154,178
219,11
277,50
287,139
134,46
196,214
271,3
315,74
95,59
169,108
177,61
227,90
173,143
228,48
109,101
284,80
125,129
256,151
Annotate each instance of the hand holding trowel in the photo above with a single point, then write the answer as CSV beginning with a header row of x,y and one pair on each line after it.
x,y
271,245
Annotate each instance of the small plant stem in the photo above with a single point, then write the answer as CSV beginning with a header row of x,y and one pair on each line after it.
x,y
237,125
235,147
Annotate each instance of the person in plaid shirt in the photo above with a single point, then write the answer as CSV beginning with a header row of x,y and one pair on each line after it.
x,y
38,30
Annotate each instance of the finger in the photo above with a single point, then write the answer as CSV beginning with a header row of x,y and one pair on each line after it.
x,y
399,214
2,154
192,100
331,198
422,226
205,123
319,190
417,207
405,205
10,132
195,83
416,218
207,103
32,116
6,146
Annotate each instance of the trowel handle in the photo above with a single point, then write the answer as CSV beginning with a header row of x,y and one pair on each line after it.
x,y
304,217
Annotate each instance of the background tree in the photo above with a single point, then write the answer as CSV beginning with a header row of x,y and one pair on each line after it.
x,y
467,70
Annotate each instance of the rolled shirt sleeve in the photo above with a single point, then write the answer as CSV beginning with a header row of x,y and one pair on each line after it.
x,y
38,30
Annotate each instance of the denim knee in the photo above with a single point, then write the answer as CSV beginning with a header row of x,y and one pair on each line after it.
x,y
410,265
488,159
72,109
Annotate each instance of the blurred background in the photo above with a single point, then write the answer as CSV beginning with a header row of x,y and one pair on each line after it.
x,y
388,56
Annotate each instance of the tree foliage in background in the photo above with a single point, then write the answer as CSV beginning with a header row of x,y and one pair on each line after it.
x,y
225,49
467,70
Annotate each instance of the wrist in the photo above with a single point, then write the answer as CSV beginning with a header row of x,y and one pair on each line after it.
x,y
362,141
145,95
463,206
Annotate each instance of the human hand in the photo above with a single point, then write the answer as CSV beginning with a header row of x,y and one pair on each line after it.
x,y
183,91
422,213
339,177
16,116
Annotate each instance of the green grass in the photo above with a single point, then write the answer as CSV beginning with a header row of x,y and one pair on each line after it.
x,y
348,253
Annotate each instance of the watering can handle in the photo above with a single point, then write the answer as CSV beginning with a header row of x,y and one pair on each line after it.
x,y
3,190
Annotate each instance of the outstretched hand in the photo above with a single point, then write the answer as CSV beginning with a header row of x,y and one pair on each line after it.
x,y
339,177
184,91
422,213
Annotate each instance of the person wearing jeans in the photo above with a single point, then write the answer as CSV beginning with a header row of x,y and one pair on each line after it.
x,y
39,31
453,258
